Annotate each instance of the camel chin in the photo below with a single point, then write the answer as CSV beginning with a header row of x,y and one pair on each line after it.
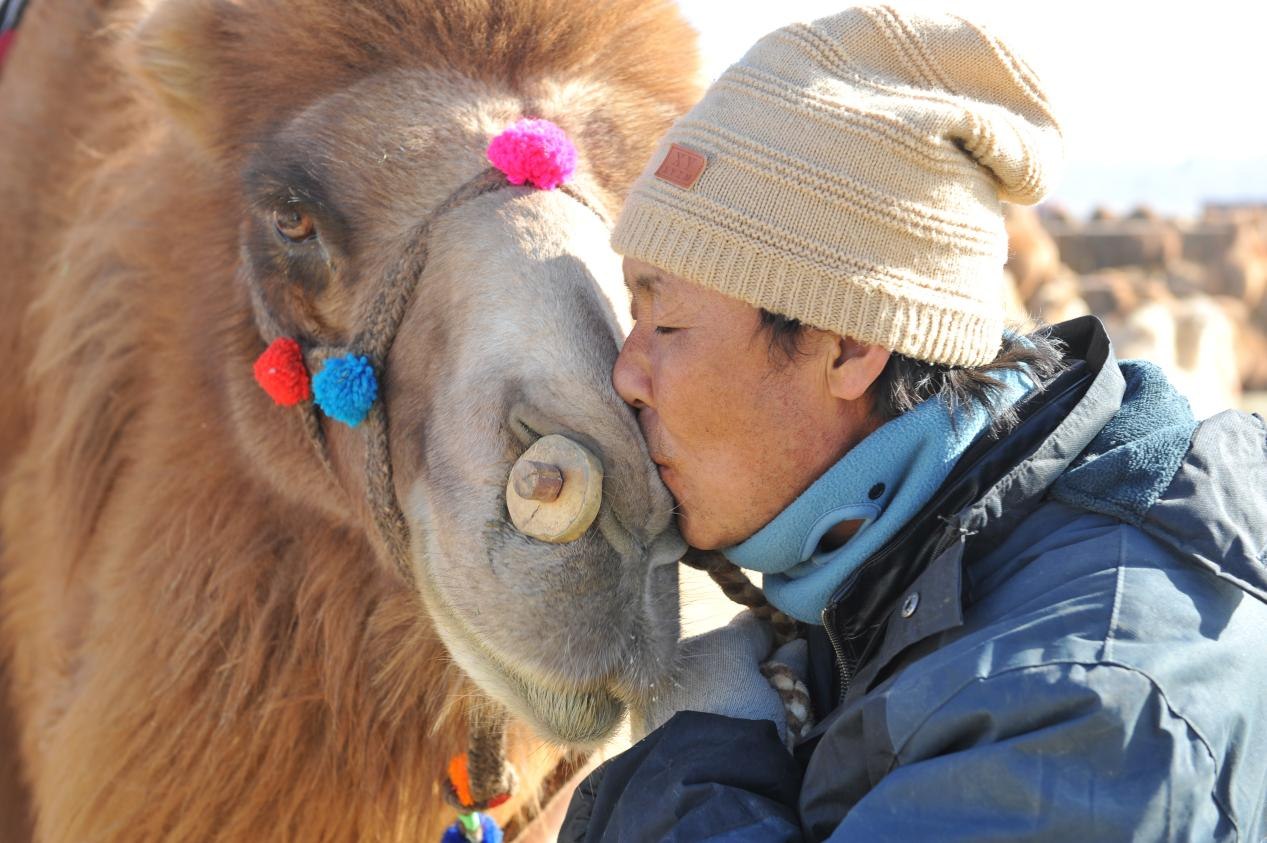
x,y
572,715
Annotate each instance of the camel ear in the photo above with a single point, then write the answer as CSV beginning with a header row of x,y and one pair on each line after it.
x,y
175,52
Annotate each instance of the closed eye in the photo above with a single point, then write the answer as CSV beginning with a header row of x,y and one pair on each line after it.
x,y
523,432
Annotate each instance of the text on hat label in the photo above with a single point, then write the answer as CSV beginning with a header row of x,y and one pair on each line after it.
x,y
681,167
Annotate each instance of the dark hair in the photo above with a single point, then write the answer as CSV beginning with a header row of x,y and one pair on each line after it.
x,y
906,382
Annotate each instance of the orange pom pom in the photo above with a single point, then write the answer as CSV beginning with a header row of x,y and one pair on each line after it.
x,y
460,779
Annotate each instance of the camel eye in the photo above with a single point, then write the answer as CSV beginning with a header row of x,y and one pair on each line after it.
x,y
294,225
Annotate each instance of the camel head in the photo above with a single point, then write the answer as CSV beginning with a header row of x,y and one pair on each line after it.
x,y
344,132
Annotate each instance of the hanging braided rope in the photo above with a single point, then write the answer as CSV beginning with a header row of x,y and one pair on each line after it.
x,y
737,587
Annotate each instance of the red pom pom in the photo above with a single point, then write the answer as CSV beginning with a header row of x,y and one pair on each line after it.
x,y
535,151
280,371
6,41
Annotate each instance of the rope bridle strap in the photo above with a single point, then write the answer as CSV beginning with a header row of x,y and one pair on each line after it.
x,y
346,387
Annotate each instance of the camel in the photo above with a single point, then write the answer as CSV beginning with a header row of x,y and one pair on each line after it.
x,y
1169,319
1032,257
205,634
1192,339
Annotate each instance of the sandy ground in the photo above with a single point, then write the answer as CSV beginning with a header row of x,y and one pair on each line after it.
x,y
704,607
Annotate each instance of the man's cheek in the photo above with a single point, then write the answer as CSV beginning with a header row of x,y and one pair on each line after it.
x,y
677,402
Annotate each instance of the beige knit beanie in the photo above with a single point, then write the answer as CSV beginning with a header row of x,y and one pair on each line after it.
x,y
848,173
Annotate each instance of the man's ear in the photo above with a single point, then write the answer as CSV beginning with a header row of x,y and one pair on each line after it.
x,y
175,52
853,366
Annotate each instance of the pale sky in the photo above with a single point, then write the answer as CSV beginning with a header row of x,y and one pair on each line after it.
x,y
1152,95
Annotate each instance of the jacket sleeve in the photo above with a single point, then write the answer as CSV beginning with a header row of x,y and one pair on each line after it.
x,y
1056,752
698,777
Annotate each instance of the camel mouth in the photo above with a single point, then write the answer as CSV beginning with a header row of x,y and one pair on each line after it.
x,y
574,716
581,715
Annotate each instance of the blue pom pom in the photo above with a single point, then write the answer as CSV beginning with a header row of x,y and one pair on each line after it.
x,y
346,388
492,832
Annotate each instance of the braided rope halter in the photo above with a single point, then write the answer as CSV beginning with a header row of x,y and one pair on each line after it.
x,y
346,388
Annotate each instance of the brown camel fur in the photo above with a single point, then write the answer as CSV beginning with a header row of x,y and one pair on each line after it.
x,y
202,638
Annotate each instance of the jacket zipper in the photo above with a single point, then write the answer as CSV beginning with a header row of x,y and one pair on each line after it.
x,y
848,667
845,665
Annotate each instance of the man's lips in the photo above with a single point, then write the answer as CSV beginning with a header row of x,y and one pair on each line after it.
x,y
664,470
649,434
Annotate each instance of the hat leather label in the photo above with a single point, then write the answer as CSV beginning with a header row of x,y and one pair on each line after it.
x,y
681,167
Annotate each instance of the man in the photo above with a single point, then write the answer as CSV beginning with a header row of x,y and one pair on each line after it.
x,y
1031,584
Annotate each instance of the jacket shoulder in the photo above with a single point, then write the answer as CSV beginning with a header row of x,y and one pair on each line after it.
x,y
1214,511
1077,610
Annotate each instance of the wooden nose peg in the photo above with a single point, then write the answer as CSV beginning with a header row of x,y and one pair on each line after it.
x,y
554,490
537,481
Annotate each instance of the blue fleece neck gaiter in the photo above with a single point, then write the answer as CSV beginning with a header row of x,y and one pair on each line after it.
x,y
883,482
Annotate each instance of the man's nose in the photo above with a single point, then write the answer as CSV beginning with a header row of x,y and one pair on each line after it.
x,y
631,374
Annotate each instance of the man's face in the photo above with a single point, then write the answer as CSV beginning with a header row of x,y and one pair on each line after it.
x,y
737,428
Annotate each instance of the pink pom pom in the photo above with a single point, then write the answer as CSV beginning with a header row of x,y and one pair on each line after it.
x,y
535,151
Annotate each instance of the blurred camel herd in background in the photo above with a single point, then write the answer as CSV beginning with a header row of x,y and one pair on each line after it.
x,y
1189,295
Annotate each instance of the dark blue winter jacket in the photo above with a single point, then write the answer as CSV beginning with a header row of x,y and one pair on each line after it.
x,y
1068,644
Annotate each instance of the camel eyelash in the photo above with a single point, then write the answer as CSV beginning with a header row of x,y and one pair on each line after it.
x,y
525,433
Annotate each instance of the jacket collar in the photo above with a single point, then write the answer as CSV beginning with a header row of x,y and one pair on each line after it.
x,y
912,587
883,481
